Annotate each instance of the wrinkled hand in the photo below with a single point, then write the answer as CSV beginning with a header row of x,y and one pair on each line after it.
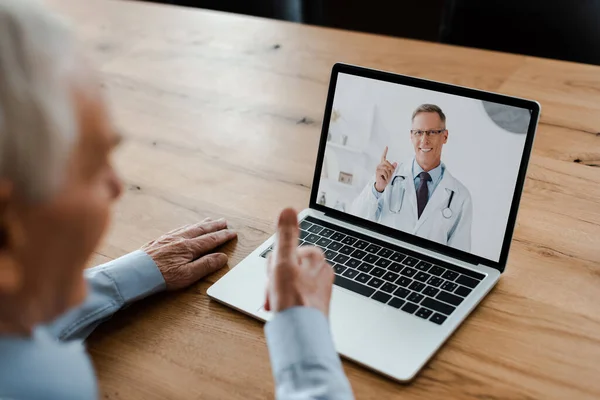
x,y
384,172
184,256
297,276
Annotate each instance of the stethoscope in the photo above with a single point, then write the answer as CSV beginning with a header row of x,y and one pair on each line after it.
x,y
396,201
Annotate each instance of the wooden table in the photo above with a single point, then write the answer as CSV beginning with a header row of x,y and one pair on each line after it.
x,y
222,115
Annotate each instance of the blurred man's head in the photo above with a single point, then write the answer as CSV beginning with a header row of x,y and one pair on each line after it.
x,y
428,135
56,179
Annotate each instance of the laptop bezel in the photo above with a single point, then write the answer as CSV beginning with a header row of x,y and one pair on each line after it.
x,y
534,108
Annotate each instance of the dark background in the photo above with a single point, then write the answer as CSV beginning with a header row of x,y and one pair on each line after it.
x,y
565,29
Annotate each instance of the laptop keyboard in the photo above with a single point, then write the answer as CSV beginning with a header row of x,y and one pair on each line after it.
x,y
391,275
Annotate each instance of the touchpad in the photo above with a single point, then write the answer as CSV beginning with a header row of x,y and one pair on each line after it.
x,y
351,316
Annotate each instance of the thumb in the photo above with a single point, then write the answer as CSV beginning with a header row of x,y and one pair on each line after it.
x,y
395,164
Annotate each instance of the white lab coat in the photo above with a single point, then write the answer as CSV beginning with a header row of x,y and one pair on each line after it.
x,y
454,231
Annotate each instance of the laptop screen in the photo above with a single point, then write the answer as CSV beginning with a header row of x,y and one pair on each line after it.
x,y
435,165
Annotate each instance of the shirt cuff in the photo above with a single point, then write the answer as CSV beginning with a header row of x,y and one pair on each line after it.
x,y
135,275
375,192
298,334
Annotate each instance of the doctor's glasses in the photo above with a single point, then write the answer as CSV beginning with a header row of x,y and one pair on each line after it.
x,y
419,133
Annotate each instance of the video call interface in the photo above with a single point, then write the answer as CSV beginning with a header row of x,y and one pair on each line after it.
x,y
435,165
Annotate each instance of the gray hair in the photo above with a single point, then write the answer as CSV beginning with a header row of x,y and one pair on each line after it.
x,y
429,108
38,120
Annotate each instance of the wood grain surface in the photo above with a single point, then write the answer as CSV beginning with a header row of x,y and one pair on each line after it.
x,y
222,115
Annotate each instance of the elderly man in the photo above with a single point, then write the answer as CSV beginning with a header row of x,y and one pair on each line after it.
x,y
57,186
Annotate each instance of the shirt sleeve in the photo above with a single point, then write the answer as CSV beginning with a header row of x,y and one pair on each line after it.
x,y
111,286
304,362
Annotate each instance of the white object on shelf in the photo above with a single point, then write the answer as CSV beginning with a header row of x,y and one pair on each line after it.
x,y
347,148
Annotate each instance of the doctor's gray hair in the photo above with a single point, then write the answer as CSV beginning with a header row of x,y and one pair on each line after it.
x,y
38,120
430,108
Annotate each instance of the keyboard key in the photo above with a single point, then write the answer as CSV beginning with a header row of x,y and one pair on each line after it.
x,y
326,232
395,267
407,271
364,267
449,298
378,272
402,292
467,281
375,282
353,263
335,246
389,287
361,244
450,275
410,308
449,286
390,277
423,266
430,291
340,258
383,263
371,258
415,297
396,302
347,250
404,281
338,269
350,273
438,318
410,261
373,248
422,276
349,240
315,229
301,243
312,238
304,234
417,286
353,286
330,255
437,271
363,278
435,281
463,291
305,225
397,257
337,237
382,297
305,243
323,242
358,254
385,253
321,247
437,306
266,253
423,313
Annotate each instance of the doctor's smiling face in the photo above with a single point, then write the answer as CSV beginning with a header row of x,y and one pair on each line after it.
x,y
428,135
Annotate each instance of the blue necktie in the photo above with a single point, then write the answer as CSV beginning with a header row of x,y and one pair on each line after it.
x,y
422,192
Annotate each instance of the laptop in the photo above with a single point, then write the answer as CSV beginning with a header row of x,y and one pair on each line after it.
x,y
414,201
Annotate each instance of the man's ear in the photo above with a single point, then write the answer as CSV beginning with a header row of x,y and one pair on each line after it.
x,y
446,136
11,238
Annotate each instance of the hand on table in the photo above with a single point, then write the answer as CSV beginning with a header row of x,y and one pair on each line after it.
x,y
296,276
384,172
184,256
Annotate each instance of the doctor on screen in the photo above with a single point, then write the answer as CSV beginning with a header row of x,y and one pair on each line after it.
x,y
420,196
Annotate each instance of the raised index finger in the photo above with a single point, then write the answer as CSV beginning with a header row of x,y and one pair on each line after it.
x,y
286,240
384,155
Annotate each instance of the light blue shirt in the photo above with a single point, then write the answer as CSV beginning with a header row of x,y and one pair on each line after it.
x,y
52,363
436,177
